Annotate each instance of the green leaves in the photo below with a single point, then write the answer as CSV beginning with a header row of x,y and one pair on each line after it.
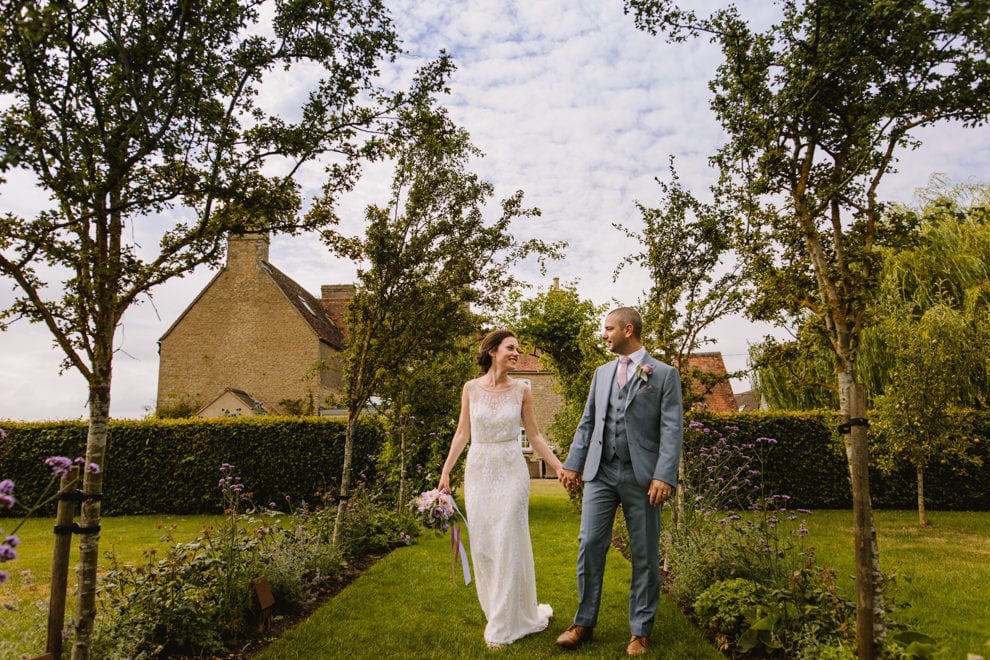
x,y
134,113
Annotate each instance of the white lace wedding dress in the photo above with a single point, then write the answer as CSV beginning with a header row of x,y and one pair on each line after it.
x,y
496,497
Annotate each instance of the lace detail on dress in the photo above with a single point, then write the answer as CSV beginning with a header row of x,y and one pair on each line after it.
x,y
495,414
496,495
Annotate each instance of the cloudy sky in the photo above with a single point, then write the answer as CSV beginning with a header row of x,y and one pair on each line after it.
x,y
568,101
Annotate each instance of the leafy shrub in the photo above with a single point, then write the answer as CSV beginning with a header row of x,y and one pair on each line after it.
x,y
722,608
736,554
199,595
372,526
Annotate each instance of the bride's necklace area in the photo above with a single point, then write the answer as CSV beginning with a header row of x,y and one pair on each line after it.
x,y
496,383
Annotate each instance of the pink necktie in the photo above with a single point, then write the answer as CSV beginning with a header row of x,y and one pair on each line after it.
x,y
623,370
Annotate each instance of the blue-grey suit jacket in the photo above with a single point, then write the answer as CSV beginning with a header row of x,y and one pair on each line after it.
x,y
654,422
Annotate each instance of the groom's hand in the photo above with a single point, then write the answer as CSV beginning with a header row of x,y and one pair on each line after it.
x,y
660,492
569,478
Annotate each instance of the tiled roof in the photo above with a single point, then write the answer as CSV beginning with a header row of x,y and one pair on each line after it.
x,y
529,362
746,401
720,398
308,306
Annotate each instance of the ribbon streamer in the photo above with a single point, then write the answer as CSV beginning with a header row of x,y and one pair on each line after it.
x,y
457,547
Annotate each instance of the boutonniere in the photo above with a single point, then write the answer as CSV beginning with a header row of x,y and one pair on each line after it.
x,y
644,371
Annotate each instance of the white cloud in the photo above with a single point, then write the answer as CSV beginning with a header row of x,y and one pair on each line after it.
x,y
568,101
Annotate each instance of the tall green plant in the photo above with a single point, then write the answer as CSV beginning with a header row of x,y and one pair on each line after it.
x,y
816,108
918,413
566,330
686,249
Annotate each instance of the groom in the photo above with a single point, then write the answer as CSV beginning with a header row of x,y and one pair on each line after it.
x,y
626,450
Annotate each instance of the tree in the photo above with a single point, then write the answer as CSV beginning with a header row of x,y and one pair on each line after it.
x,y
685,244
943,260
425,258
421,402
934,298
816,108
138,116
918,413
797,374
567,331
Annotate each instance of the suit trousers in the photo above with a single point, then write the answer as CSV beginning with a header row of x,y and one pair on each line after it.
x,y
615,485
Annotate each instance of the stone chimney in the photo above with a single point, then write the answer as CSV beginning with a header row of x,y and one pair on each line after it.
x,y
337,292
246,251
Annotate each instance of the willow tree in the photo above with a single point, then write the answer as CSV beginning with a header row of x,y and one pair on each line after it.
x,y
931,342
816,108
148,127
427,256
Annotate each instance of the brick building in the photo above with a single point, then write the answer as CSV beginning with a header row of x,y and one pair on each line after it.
x,y
720,398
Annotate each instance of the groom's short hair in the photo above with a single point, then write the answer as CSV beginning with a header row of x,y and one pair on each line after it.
x,y
629,316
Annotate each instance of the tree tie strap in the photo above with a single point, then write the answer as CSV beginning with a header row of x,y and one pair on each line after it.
x,y
78,496
846,428
76,528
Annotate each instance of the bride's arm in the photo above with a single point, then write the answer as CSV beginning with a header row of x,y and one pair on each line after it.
x,y
536,439
457,444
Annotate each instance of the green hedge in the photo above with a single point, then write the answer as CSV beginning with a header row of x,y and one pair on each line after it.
x,y
172,466
808,462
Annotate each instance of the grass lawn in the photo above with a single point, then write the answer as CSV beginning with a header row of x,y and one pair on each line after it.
x,y
406,605
942,570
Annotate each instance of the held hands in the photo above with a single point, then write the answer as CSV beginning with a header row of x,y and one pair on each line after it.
x,y
660,492
569,478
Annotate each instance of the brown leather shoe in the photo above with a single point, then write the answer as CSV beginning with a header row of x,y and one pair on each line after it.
x,y
574,636
638,645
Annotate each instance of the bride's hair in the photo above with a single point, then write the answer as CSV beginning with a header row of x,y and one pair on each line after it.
x,y
491,342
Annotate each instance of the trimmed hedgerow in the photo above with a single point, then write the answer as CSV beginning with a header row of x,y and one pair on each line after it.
x,y
808,462
170,466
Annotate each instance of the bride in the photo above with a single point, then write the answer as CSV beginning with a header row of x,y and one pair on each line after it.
x,y
496,490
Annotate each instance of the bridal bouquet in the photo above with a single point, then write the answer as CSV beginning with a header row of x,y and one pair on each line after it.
x,y
436,510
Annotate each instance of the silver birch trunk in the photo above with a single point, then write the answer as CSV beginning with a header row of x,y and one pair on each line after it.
x,y
871,612
89,515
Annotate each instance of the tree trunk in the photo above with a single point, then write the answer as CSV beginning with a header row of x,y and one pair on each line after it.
x,y
922,517
89,517
871,629
64,517
402,466
345,475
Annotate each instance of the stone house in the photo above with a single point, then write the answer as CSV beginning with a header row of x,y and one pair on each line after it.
x,y
252,339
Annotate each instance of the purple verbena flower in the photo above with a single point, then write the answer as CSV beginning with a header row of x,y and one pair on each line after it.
x,y
59,465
